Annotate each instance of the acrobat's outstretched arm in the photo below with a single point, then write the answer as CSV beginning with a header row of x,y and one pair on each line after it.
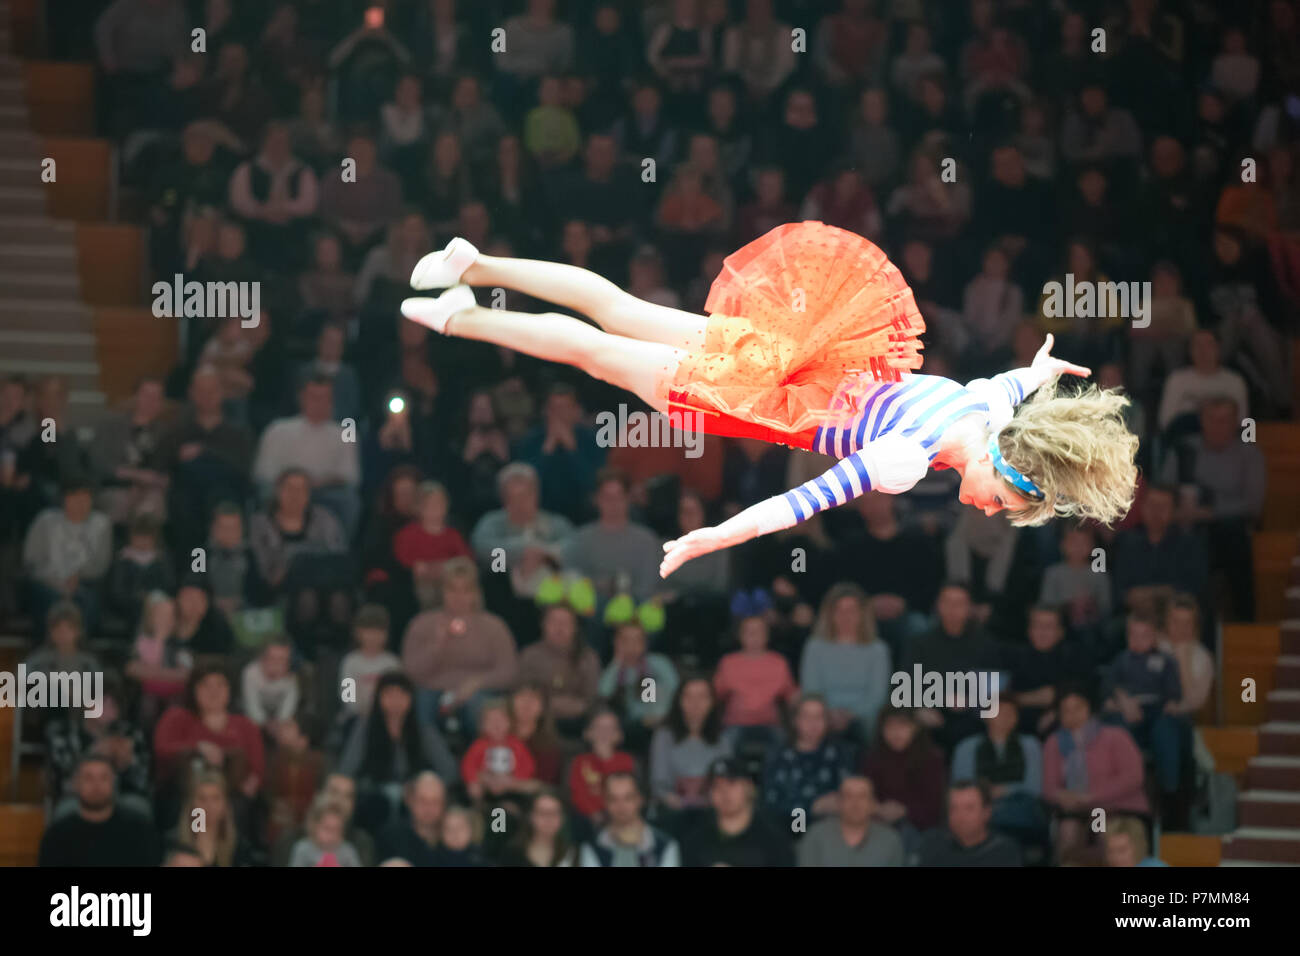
x,y
890,464
1003,392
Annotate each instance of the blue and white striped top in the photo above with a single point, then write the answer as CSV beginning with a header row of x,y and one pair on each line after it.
x,y
886,434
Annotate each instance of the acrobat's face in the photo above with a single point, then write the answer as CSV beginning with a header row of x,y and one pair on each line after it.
x,y
982,487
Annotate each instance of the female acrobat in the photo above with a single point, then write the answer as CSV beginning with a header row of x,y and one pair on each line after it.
x,y
812,341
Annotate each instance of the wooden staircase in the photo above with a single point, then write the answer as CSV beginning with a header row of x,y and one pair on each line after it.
x,y
72,282
1258,741
22,821
72,296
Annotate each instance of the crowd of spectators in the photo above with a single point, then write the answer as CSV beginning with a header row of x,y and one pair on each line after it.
x,y
369,595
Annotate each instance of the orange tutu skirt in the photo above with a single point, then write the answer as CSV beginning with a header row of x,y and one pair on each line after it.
x,y
792,315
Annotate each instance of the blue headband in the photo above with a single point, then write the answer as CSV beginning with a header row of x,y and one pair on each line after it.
x,y
1017,480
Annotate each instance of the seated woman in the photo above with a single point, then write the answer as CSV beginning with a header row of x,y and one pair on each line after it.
x,y
805,775
387,748
681,752
202,732
218,841
907,772
1086,765
460,654
292,543
754,684
543,840
531,722
846,663
632,672
563,662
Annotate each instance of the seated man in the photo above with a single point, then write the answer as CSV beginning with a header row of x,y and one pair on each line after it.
x,y
1228,478
414,838
318,445
1156,557
734,834
1142,691
1186,389
532,540
956,644
124,451
565,454
627,840
1049,660
206,457
968,840
100,833
619,555
1011,764
66,553
851,837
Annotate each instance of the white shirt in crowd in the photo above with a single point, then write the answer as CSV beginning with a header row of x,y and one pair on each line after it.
x,y
1187,389
318,449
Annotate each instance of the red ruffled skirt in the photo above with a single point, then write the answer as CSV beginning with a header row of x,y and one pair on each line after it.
x,y
792,315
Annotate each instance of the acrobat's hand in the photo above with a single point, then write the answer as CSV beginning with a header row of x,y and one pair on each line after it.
x,y
1050,367
692,545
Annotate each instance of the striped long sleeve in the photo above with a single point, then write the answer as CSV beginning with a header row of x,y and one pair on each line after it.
x,y
891,464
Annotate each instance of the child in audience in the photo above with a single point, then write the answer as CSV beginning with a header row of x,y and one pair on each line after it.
x,y
638,684
368,662
270,687
531,722
160,661
497,762
140,566
61,653
229,559
324,844
460,839
1182,641
588,770
1073,585
230,351
424,545
293,775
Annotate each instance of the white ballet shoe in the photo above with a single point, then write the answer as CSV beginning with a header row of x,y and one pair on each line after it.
x,y
443,269
436,313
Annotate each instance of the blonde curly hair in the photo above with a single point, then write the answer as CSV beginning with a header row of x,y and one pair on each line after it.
x,y
1077,449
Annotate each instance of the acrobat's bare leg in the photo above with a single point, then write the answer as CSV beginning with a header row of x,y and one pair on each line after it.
x,y
640,367
584,291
